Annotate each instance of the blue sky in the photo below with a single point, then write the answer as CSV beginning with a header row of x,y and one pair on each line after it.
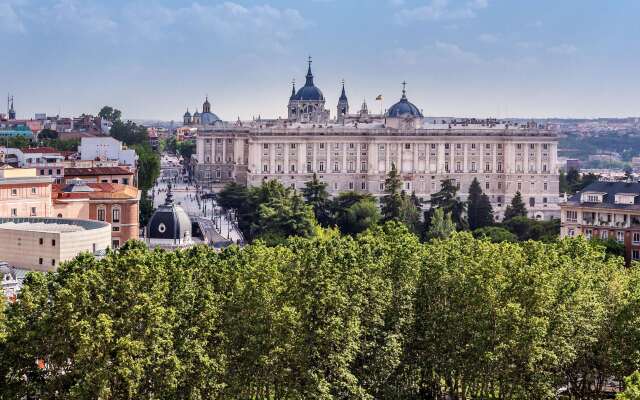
x,y
153,58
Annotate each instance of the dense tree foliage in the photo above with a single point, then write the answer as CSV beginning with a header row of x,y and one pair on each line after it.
x,y
516,208
632,388
496,234
269,212
316,195
479,210
110,114
373,316
441,226
447,198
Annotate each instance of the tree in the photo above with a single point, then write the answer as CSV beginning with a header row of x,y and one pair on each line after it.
x,y
447,199
479,210
148,166
47,134
186,149
110,114
441,226
316,195
392,201
516,208
495,234
358,217
129,133
631,388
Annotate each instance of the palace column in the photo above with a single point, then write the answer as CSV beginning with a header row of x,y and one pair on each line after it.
x,y
387,161
314,160
272,158
373,158
465,158
440,165
327,147
302,158
494,148
358,169
286,148
224,150
399,151
539,155
416,159
344,157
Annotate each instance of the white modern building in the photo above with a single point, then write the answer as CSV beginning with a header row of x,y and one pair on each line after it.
x,y
356,151
106,148
41,244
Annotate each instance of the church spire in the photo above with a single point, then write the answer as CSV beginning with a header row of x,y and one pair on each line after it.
x,y
309,77
343,95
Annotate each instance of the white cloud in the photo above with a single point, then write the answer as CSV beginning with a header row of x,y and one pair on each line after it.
x,y
488,38
265,25
563,49
10,21
454,51
437,10
87,16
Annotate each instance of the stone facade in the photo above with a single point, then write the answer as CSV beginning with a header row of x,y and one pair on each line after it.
x,y
356,152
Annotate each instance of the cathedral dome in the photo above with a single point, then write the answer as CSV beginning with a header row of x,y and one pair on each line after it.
x,y
208,118
309,92
404,108
170,221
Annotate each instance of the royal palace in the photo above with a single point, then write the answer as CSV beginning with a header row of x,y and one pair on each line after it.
x,y
356,150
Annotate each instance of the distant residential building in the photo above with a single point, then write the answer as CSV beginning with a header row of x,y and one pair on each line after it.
x,y
606,157
120,174
635,164
14,131
605,210
46,160
41,244
11,281
106,148
23,193
107,202
154,138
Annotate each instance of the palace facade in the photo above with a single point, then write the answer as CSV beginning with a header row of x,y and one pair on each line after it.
x,y
355,152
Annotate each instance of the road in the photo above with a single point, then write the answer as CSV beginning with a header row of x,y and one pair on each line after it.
x,y
187,196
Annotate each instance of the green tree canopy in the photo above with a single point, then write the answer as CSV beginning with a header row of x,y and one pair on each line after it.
x,y
316,195
110,114
479,210
516,208
441,226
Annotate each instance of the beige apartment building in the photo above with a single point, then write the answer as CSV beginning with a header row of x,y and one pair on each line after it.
x,y
41,244
23,193
605,210
356,151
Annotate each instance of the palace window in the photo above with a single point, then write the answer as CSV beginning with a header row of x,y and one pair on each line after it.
x,y
363,166
636,237
336,167
519,186
572,216
265,146
293,145
620,236
487,146
635,254
545,186
352,146
293,168
265,168
486,185
33,211
309,167
322,145
363,185
473,166
321,166
350,185
473,146
458,146
102,212
14,192
407,146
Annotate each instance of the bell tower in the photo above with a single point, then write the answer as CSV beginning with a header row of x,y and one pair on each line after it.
x,y
343,105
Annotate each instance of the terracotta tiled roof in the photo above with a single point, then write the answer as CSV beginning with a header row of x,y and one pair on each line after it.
x,y
94,171
39,150
101,191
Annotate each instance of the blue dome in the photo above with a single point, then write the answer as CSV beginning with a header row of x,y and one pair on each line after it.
x,y
309,93
404,108
208,118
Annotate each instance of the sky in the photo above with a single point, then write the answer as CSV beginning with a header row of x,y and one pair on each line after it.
x,y
466,58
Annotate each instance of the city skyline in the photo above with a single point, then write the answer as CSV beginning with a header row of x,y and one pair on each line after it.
x,y
469,58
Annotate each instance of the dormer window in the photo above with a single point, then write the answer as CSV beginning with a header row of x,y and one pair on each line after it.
x,y
625,198
592,197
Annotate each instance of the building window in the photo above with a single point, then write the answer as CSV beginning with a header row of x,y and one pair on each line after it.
x,y
588,233
321,166
115,215
473,166
33,211
532,146
40,261
50,172
572,216
519,146
115,229
41,241
407,185
486,185
363,166
620,236
309,167
635,254
545,146
499,185
351,166
499,167
14,212
352,146
446,146
33,190
499,146
604,235
381,187
57,172
115,243
265,168
53,262
265,146
532,201
544,167
458,167
636,237
279,168
218,174
433,145
571,232
101,214
363,185
53,242
336,167
487,167
350,185
487,146
407,146
293,145
458,146
293,168
519,186
446,167
545,185
473,146
14,192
